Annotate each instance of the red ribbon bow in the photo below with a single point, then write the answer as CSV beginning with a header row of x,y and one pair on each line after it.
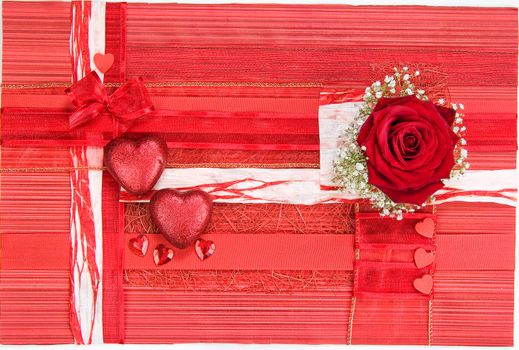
x,y
127,103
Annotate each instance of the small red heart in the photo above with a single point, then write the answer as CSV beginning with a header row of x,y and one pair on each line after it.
x,y
422,258
103,62
136,164
139,245
181,216
162,255
425,227
424,284
204,249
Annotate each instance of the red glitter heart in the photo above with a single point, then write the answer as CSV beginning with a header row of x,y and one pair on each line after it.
x,y
139,245
103,62
204,249
181,216
136,164
424,284
162,255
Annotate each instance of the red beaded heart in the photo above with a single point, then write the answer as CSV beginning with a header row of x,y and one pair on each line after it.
x,y
181,216
139,245
136,164
162,255
204,249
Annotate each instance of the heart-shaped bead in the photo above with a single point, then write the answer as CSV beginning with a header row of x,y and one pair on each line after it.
x,y
424,284
162,255
181,216
103,62
425,227
204,249
139,245
422,258
136,164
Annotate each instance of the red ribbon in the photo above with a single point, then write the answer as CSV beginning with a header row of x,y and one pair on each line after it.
x,y
127,103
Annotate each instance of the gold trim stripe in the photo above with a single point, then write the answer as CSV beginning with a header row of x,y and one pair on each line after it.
x,y
177,84
171,166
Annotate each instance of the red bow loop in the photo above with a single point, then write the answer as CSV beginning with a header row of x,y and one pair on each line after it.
x,y
130,101
127,103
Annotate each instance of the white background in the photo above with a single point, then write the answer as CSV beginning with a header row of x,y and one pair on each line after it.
x,y
494,3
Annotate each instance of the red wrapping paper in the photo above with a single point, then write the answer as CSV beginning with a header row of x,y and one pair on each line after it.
x,y
229,92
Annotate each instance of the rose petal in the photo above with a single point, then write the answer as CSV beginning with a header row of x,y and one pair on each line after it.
x,y
447,113
418,196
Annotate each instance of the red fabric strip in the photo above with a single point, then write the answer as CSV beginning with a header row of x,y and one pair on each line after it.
x,y
382,273
474,252
113,248
257,252
115,41
50,127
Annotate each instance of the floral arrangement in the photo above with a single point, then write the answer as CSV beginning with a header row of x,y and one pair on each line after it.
x,y
401,147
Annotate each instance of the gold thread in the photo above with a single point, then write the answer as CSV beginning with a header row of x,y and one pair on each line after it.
x,y
170,165
243,165
176,84
48,170
429,324
350,323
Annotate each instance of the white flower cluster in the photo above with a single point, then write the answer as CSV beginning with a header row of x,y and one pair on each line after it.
x,y
350,166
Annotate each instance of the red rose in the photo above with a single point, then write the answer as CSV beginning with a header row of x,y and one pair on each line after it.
x,y
409,144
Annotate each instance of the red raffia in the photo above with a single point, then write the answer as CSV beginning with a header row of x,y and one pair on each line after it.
x,y
276,282
260,218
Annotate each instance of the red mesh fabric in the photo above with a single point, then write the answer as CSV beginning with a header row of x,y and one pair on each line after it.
x,y
374,229
385,265
387,279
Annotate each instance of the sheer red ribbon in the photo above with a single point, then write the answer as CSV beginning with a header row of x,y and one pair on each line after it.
x,y
127,103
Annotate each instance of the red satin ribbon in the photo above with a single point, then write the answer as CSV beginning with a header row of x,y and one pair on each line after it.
x,y
127,103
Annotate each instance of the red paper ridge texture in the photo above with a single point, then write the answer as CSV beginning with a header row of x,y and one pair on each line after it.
x,y
237,86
